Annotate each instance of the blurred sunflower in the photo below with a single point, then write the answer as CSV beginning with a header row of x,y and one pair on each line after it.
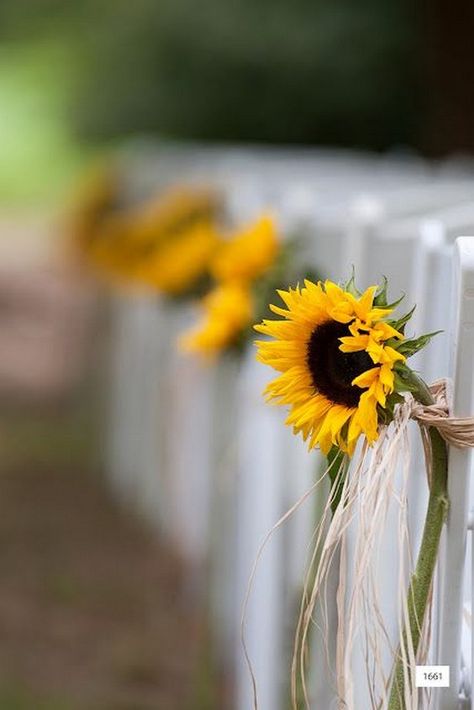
x,y
227,311
179,263
247,254
240,264
165,243
95,199
336,352
167,216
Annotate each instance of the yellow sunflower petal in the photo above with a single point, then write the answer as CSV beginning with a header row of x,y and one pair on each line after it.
x,y
352,344
367,378
342,313
363,305
333,423
387,377
393,355
376,314
226,311
247,254
335,293
367,414
385,331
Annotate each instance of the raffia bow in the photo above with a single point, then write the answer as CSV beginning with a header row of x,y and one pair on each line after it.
x,y
456,431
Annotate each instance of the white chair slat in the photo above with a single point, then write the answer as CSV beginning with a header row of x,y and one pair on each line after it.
x,y
460,469
260,503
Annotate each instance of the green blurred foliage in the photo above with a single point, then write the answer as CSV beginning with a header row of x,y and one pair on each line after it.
x,y
39,151
304,71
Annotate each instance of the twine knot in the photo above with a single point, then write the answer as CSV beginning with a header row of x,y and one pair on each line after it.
x,y
457,431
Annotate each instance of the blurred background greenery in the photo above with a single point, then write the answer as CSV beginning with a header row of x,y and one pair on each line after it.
x,y
373,74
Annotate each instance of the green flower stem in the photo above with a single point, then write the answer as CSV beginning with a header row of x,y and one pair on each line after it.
x,y
337,468
422,579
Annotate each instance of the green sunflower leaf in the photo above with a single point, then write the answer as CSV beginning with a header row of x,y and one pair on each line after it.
x,y
392,342
401,322
386,413
396,303
410,347
350,286
402,380
337,470
380,298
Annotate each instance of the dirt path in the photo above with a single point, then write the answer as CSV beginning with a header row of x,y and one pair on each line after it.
x,y
91,612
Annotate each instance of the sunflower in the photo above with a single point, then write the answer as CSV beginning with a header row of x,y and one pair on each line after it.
x,y
165,243
237,266
167,216
227,311
336,352
247,254
96,198
178,264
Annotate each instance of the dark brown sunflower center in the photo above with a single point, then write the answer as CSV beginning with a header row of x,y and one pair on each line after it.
x,y
332,371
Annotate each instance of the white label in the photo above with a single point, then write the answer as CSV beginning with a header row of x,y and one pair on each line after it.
x,y
432,676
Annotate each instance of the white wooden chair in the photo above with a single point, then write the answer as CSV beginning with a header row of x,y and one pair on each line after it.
x,y
201,456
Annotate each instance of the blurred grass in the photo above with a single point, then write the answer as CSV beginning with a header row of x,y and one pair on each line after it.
x,y
15,696
61,432
56,438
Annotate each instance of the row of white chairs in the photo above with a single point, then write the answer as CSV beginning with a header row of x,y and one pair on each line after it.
x,y
195,450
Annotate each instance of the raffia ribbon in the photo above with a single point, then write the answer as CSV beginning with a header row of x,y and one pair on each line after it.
x,y
457,431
